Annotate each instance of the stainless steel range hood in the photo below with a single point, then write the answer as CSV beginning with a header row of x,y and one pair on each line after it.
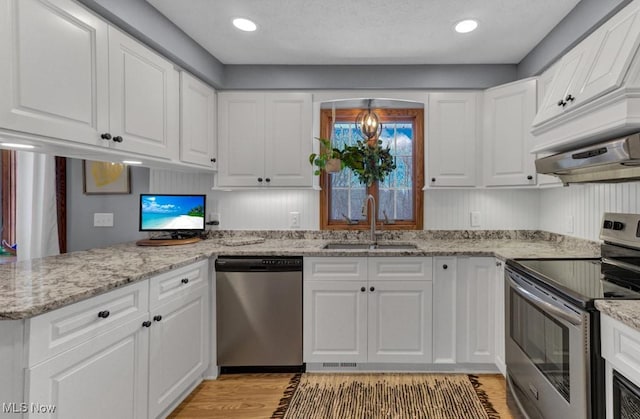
x,y
611,161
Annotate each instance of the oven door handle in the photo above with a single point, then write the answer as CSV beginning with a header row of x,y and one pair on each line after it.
x,y
572,318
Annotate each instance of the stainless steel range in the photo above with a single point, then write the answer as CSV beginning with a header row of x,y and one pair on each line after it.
x,y
554,367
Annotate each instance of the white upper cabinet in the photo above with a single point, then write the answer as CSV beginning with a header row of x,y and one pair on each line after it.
x,y
453,131
596,66
241,139
144,99
66,74
508,112
264,139
288,139
53,70
543,85
197,122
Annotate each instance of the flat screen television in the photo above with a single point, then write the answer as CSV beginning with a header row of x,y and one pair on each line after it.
x,y
177,215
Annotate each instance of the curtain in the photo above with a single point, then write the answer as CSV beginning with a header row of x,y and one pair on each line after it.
x,y
36,214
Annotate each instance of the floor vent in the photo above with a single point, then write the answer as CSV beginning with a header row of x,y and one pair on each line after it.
x,y
339,365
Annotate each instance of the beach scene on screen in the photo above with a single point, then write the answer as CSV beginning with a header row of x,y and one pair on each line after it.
x,y
172,212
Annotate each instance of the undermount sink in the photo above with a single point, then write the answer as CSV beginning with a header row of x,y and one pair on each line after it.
x,y
365,246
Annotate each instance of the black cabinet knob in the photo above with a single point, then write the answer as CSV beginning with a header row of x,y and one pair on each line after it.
x,y
185,280
259,179
498,264
569,98
529,177
117,139
363,289
267,180
146,323
445,266
157,318
372,289
433,179
562,103
105,136
213,160
104,314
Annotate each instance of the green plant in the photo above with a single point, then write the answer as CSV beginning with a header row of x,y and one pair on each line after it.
x,y
326,153
369,162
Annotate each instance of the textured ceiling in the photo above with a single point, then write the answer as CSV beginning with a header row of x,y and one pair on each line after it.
x,y
367,31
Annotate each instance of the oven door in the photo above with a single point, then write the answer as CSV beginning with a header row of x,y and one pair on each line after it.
x,y
547,351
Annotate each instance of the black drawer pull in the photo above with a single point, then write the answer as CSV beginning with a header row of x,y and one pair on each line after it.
x,y
117,139
372,289
146,323
105,136
185,280
445,266
104,314
363,289
157,318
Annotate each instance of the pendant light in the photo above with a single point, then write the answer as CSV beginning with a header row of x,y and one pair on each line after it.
x,y
368,123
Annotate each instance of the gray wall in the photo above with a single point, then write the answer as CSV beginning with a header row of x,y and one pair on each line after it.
x,y
81,234
143,21
580,22
146,23
367,77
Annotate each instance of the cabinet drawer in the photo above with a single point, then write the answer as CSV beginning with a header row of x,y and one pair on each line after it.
x,y
177,283
59,330
335,268
621,347
404,268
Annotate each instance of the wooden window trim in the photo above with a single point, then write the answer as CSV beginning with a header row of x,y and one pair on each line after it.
x,y
418,164
8,195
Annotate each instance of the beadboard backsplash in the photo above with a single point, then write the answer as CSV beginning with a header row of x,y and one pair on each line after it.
x,y
577,210
268,209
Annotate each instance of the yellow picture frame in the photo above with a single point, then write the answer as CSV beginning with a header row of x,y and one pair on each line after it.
x,y
105,178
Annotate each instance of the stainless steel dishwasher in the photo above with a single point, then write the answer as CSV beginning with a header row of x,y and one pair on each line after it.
x,y
259,311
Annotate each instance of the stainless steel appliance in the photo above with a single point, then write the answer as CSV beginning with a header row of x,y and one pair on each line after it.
x,y
611,161
554,367
259,311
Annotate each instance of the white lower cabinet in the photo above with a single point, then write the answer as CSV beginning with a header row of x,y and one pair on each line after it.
x,y
178,350
105,377
466,312
367,310
138,366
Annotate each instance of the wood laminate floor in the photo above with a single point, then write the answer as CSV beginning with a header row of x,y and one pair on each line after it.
x,y
256,396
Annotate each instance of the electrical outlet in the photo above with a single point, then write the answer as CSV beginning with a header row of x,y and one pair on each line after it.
x,y
294,219
475,219
103,219
569,226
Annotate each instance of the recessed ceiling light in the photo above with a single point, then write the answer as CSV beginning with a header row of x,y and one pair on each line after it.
x,y
15,145
131,162
244,24
465,26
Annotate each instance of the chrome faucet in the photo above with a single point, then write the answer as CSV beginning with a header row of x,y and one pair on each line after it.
x,y
372,215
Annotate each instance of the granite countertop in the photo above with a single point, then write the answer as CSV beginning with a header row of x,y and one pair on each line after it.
x,y
625,311
34,287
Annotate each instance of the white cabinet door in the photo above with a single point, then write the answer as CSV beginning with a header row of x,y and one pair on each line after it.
x,y
499,318
179,347
102,378
288,139
508,112
564,81
594,67
197,122
144,99
335,321
543,86
53,70
241,145
399,327
444,309
453,132
476,310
